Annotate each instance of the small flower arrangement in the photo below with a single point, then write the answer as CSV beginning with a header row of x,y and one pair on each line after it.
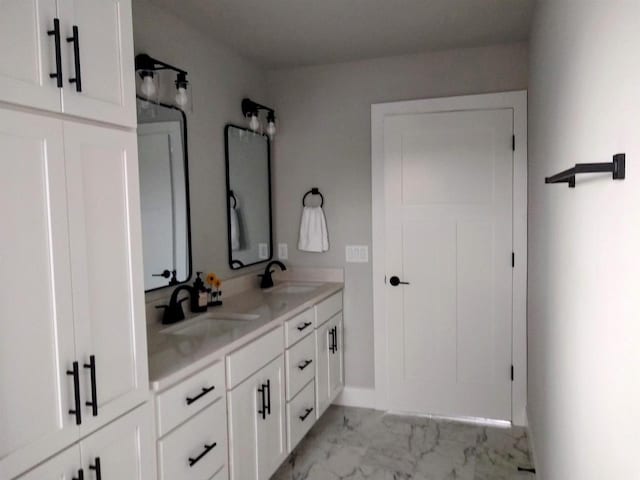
x,y
214,289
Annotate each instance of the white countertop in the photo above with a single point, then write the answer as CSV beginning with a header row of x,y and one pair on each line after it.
x,y
175,357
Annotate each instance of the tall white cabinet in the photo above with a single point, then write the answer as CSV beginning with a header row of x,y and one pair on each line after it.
x,y
69,56
73,357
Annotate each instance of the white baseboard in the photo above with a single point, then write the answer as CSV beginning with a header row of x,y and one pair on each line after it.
x,y
357,397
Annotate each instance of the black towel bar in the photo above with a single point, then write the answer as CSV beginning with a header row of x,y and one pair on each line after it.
x,y
617,169
313,191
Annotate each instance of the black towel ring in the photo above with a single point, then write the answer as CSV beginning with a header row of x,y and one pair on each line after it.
x,y
313,191
235,200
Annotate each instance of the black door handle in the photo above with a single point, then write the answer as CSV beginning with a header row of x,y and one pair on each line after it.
x,y
75,373
76,61
94,394
97,468
56,36
395,281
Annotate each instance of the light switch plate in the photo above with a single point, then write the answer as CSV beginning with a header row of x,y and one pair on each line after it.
x,y
357,254
263,251
283,251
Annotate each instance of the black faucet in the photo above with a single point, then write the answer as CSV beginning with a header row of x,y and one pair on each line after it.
x,y
267,281
173,312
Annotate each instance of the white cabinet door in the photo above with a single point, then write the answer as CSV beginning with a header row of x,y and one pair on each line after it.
x,y
336,357
27,56
36,320
103,61
108,290
256,410
123,449
65,465
329,365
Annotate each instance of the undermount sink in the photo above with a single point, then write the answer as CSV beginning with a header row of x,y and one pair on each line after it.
x,y
202,327
296,288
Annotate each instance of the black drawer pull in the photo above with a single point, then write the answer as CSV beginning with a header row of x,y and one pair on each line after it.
x,y
97,468
75,39
307,412
302,326
263,410
80,475
207,449
56,36
94,393
205,390
75,373
305,364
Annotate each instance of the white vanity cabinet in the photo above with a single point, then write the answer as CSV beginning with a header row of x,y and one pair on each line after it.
x,y
73,332
121,450
256,409
329,352
69,56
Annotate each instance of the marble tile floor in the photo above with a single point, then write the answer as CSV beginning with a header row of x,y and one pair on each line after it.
x,y
361,444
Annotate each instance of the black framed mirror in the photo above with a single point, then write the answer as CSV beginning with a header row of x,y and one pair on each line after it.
x,y
249,214
164,194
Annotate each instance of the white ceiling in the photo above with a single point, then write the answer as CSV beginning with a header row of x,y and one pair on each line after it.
x,y
285,33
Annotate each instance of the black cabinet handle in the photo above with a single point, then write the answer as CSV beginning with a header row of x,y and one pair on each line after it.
x,y
205,390
305,364
268,406
97,468
94,391
80,475
395,281
332,341
307,412
56,37
302,326
75,39
75,372
207,449
335,339
263,410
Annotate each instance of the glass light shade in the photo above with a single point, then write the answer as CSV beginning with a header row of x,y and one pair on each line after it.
x,y
271,129
254,123
182,98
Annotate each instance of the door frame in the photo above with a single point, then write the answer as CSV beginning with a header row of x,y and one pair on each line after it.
x,y
517,101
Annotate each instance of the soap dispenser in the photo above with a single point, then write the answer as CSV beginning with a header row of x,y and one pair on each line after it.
x,y
199,298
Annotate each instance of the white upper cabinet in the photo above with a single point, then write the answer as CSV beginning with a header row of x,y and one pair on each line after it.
x,y
108,293
36,321
27,54
97,58
70,56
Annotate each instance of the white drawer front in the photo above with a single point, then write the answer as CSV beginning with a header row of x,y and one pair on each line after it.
x,y
178,403
300,359
252,357
301,415
328,308
299,327
197,449
223,474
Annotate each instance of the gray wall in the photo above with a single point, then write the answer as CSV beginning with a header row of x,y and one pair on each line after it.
x,y
324,140
219,79
584,303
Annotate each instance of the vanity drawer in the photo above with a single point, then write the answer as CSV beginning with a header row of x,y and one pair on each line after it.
x,y
328,308
300,360
178,403
300,415
247,360
299,327
197,449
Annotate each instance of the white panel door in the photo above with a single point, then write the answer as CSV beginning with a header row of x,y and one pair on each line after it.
x,y
65,465
124,449
257,443
322,368
36,319
108,292
106,62
448,182
27,54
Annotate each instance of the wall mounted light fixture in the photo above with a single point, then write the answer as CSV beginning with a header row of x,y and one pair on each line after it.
x,y
147,66
251,110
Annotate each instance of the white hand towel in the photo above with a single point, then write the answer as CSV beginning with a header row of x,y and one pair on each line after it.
x,y
235,229
313,231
